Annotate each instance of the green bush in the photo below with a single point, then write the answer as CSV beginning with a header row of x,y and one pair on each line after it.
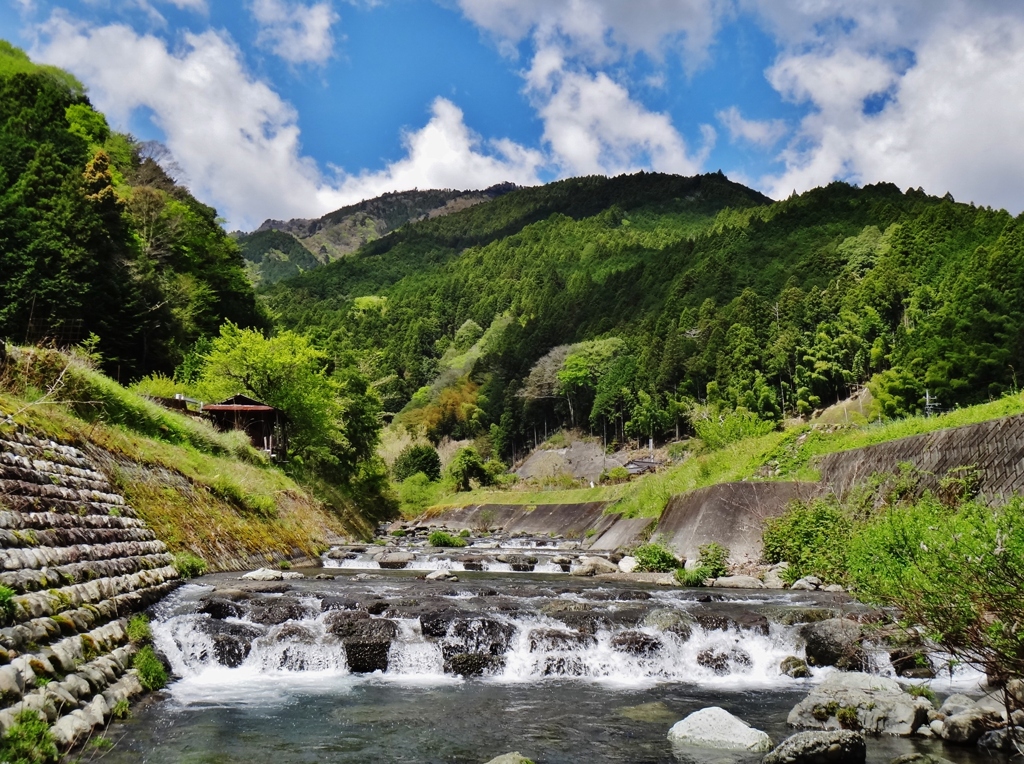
x,y
440,538
417,458
465,466
28,740
710,564
189,565
813,537
655,558
6,603
615,475
152,674
138,630
718,429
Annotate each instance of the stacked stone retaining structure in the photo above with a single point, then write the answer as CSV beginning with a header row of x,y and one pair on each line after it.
x,y
80,563
995,448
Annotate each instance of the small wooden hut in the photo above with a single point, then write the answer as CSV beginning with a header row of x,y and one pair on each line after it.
x,y
266,426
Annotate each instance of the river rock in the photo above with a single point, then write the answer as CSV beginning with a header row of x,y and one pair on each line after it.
x,y
957,704
636,643
368,644
967,727
510,758
591,566
546,640
292,575
276,611
222,608
919,758
806,584
442,575
473,664
835,642
715,727
881,705
773,576
264,574
232,642
1000,740
670,620
628,564
835,747
395,560
721,662
794,667
738,582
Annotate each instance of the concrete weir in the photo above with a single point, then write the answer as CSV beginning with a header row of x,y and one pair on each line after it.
x,y
586,521
79,562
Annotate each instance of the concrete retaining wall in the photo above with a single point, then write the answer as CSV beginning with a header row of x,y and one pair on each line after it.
x,y
79,562
731,514
996,448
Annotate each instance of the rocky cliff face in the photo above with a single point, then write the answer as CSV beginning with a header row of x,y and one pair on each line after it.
x,y
75,562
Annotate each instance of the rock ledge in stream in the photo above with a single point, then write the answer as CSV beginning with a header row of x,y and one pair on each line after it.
x,y
880,703
836,747
715,727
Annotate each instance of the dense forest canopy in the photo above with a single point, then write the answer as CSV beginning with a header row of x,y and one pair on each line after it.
x,y
97,239
629,305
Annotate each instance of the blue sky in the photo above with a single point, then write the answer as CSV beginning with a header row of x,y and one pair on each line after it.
x,y
292,108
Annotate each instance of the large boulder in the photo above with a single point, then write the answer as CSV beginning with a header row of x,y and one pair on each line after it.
x,y
876,704
834,747
967,727
835,642
395,560
715,727
592,566
232,642
510,758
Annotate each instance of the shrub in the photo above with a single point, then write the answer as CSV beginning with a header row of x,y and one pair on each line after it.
x,y
464,533
121,709
152,674
417,458
440,538
710,564
189,565
847,718
138,630
6,603
813,537
28,740
922,691
465,466
615,475
655,558
718,429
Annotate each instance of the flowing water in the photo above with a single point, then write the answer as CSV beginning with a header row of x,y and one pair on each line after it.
x,y
381,666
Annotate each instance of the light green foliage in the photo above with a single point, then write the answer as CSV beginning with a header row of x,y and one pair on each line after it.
x,y
922,691
896,393
152,674
28,740
138,630
615,475
958,571
655,558
6,603
718,428
442,539
333,416
465,466
416,493
417,458
710,564
813,537
189,565
121,709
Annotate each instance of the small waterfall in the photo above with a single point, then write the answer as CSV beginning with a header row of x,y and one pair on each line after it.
x,y
576,638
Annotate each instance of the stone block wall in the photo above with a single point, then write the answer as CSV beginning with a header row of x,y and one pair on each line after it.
x,y
996,448
80,563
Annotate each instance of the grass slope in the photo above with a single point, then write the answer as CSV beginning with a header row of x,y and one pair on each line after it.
x,y
791,454
201,490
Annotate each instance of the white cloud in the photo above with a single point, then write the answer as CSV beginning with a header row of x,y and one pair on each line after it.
x,y
593,126
600,31
296,32
948,86
765,133
194,5
238,141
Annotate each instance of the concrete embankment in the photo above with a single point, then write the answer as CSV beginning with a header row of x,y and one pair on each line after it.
x,y
76,563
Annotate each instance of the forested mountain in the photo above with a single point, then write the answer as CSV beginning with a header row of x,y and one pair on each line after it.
x,y
280,249
96,239
622,304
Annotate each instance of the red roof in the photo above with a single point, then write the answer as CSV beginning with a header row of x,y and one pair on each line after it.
x,y
236,407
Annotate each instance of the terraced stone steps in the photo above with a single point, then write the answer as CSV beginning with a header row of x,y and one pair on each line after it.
x,y
80,562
